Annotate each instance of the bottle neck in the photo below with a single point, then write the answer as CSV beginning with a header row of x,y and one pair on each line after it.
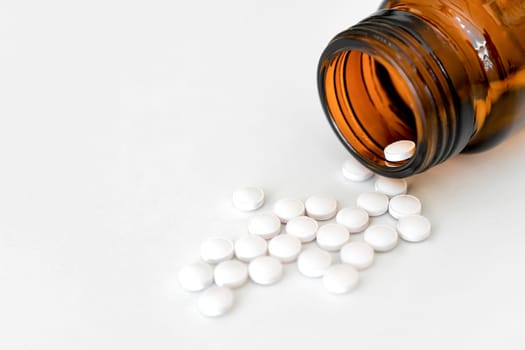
x,y
384,80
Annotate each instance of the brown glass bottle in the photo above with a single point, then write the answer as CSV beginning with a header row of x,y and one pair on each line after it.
x,y
446,74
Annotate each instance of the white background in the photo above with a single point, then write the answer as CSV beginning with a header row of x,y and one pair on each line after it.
x,y
125,127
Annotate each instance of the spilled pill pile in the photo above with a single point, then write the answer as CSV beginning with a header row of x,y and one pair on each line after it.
x,y
259,255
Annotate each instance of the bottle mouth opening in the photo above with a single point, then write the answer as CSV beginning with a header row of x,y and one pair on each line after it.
x,y
380,82
370,103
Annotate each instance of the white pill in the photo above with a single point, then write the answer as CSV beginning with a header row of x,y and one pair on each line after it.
x,y
321,207
381,238
196,277
265,225
248,198
341,278
332,237
314,262
391,187
354,219
358,254
287,209
355,171
231,274
404,205
286,248
249,247
414,228
215,250
216,301
374,203
265,270
400,151
302,227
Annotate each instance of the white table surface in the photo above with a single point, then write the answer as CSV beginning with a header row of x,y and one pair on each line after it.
x,y
125,127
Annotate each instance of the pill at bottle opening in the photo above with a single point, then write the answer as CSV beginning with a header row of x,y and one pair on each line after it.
x,y
400,150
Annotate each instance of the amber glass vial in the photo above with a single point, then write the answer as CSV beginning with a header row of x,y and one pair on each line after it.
x,y
446,74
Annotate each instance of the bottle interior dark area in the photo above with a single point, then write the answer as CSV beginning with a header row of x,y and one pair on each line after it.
x,y
448,75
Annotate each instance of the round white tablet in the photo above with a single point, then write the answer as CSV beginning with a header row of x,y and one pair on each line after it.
x,y
400,151
404,205
332,237
302,227
265,270
196,277
321,207
286,248
231,274
287,209
215,250
380,237
391,187
355,171
354,219
248,198
341,278
414,228
358,254
375,203
249,247
216,301
265,225
314,262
